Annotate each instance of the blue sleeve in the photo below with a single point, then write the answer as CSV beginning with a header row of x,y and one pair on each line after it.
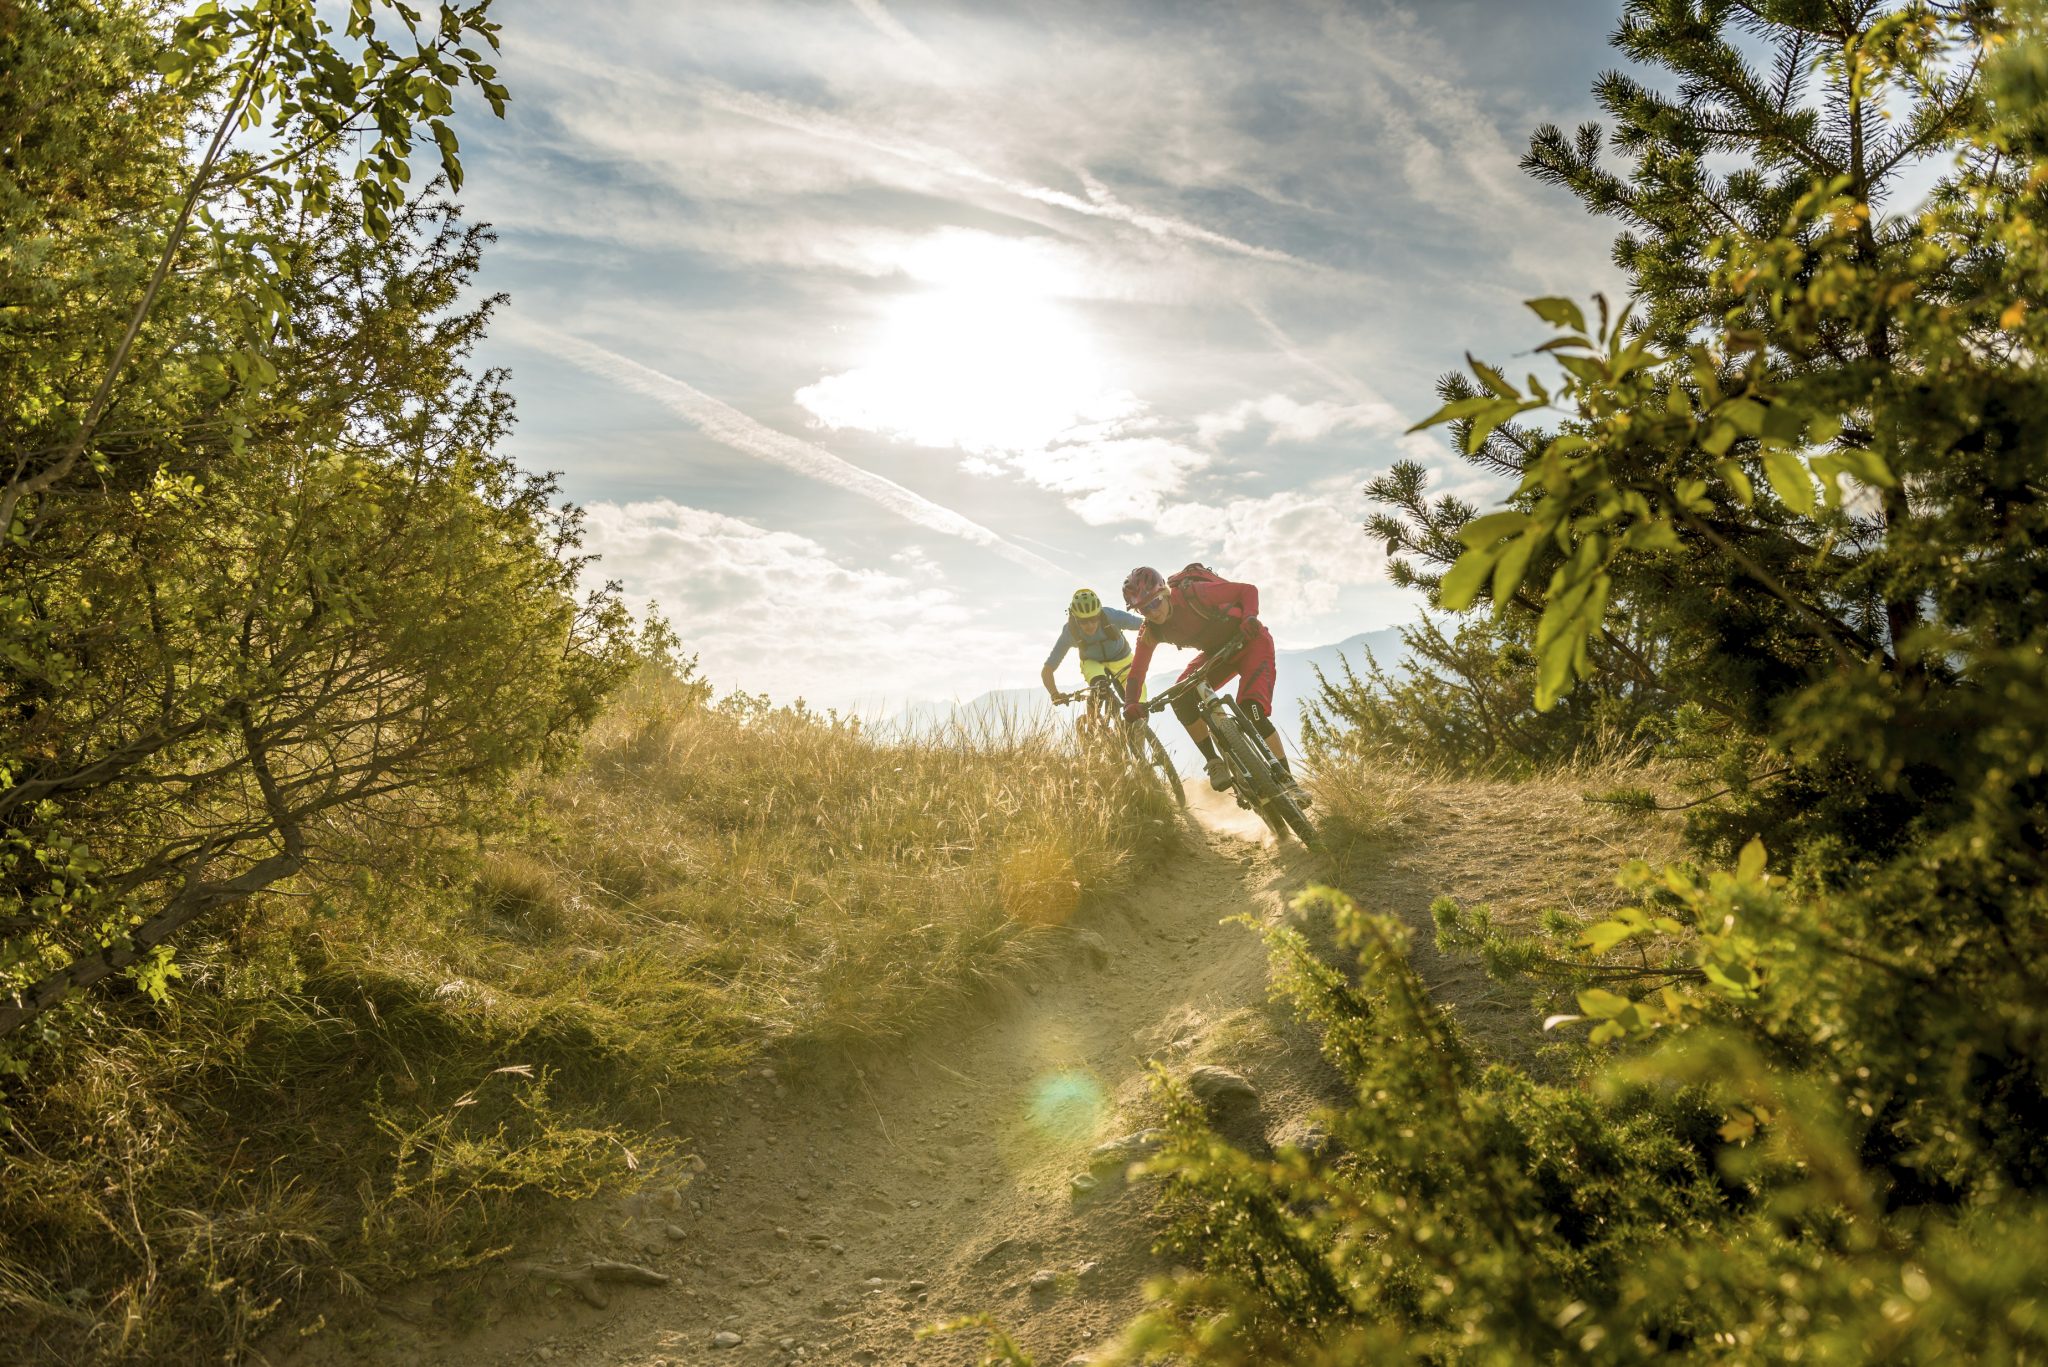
x,y
1129,621
1060,648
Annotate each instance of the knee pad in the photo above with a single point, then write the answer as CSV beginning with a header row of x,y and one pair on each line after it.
x,y
1184,708
1257,712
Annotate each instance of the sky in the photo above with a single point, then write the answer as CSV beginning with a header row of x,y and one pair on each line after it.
x,y
865,331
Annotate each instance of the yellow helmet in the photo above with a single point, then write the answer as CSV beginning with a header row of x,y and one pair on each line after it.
x,y
1085,604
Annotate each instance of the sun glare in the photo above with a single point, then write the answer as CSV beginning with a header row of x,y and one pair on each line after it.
x,y
985,356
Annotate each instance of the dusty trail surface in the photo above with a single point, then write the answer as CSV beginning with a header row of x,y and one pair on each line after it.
x,y
841,1209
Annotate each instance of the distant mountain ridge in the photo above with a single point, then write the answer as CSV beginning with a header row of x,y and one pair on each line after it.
x,y
1293,688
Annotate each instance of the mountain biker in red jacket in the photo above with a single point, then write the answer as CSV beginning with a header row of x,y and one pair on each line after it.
x,y
1206,616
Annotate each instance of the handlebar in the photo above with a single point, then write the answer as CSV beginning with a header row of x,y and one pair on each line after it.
x,y
1169,696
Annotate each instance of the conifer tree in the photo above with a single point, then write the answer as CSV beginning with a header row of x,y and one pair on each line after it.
x,y
1815,468
1793,163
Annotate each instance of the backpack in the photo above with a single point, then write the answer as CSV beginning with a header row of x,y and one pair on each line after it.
x,y
1196,573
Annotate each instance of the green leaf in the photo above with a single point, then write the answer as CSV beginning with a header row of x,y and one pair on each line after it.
x,y
1514,563
1867,466
1553,673
1782,423
1790,477
1598,939
1461,585
1749,865
1492,378
1482,426
1737,480
1719,438
1456,409
1585,369
1619,330
1746,415
1601,1004
1559,312
1635,356
1484,531
1655,535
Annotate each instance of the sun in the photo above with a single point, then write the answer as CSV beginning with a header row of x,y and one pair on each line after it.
x,y
985,354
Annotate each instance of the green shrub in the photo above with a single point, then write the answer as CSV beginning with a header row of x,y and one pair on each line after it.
x,y
1698,1199
1465,703
1806,468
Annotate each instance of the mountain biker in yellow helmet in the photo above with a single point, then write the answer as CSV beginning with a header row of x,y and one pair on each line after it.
x,y
1097,633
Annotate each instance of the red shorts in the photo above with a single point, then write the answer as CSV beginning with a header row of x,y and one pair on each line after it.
x,y
1253,667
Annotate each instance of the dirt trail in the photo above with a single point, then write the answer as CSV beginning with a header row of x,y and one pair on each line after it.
x,y
841,1210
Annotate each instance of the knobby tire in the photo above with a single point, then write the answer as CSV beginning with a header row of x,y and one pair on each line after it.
x,y
1253,776
1152,754
1304,829
1281,813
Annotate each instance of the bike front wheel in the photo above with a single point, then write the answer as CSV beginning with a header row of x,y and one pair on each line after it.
x,y
1151,755
1297,820
1281,813
1255,786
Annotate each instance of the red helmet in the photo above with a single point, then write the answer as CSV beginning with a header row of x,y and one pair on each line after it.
x,y
1142,585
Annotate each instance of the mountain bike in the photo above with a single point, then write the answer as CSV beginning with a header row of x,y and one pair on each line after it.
x,y
1259,783
1103,722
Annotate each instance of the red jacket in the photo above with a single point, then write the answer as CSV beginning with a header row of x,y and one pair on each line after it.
x,y
1227,606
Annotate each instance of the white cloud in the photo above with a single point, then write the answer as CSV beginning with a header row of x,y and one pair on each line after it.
x,y
979,366
1288,419
1113,479
773,610
1302,548
888,25
1097,203
985,231
730,427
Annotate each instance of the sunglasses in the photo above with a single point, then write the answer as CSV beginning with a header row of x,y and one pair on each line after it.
x,y
1154,603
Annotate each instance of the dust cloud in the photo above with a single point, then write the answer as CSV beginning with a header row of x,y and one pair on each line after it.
x,y
1220,812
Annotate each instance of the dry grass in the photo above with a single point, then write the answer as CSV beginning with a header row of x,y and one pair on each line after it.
x,y
1531,852
1526,847
406,1081
1521,846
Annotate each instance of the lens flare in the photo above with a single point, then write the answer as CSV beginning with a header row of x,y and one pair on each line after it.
x,y
1068,1106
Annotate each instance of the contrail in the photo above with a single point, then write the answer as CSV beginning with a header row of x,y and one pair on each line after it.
x,y
1343,384
728,426
875,13
816,123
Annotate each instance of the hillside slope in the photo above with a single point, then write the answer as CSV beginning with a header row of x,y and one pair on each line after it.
x,y
845,1205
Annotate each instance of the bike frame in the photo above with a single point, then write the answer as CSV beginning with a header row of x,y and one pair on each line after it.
x,y
1210,705
1259,782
